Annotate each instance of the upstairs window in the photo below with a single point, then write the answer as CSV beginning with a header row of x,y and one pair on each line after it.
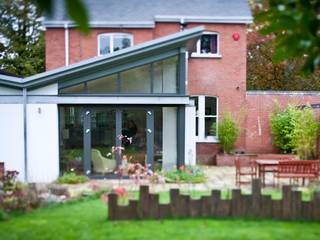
x,y
111,42
207,46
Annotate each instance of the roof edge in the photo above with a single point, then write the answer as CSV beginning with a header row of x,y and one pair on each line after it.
x,y
143,48
205,19
101,24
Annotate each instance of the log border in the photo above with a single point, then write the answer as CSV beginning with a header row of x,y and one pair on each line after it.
x,y
256,205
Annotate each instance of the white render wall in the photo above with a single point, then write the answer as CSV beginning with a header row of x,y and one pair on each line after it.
x,y
42,142
190,136
11,138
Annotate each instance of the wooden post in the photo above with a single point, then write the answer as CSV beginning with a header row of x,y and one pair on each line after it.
x,y
256,197
236,203
206,206
195,207
154,206
316,206
296,205
133,209
112,206
184,206
286,202
215,199
174,202
143,206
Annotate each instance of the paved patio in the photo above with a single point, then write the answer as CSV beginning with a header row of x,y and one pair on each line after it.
x,y
217,178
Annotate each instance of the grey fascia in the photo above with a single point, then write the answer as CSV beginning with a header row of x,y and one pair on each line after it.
x,y
204,19
102,24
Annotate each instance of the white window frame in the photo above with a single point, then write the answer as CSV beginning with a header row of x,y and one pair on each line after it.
x,y
200,114
112,35
198,53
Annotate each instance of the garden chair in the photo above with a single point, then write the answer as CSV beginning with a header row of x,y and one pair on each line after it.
x,y
242,171
101,164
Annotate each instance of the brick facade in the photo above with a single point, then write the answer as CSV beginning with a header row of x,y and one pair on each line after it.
x,y
223,77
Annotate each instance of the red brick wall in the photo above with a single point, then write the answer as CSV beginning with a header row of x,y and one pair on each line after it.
x,y
259,106
54,43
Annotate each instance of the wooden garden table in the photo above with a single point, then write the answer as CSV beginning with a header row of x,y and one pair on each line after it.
x,y
265,166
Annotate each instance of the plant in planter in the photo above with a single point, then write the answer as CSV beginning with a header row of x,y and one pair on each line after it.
x,y
228,132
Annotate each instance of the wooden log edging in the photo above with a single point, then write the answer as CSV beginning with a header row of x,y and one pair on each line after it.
x,y
256,205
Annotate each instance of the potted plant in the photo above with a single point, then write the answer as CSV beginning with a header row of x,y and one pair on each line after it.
x,y
228,133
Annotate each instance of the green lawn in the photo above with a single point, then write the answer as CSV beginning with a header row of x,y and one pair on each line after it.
x,y
87,220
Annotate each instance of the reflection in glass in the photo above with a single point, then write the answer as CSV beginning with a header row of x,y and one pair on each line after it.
x,y
103,85
71,139
136,80
104,44
210,126
73,89
103,136
166,75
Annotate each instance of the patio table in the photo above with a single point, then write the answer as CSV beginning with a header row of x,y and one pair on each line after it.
x,y
265,166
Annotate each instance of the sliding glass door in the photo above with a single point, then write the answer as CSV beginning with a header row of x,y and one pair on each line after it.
x,y
97,140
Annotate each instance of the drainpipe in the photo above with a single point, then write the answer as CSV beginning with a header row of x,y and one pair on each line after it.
x,y
66,43
25,143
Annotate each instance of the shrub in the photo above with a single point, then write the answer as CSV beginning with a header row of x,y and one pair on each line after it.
x,y
228,132
305,133
282,126
72,178
188,174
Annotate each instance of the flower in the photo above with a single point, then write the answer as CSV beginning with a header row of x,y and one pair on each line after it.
x,y
104,198
120,191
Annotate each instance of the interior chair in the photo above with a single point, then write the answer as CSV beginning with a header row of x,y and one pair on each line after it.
x,y
102,164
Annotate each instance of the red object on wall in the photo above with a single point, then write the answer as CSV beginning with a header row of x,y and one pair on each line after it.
x,y
236,36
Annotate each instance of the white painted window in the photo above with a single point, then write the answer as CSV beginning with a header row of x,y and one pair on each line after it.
x,y
111,42
208,46
206,118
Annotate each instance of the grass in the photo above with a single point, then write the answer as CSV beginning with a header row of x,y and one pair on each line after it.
x,y
87,219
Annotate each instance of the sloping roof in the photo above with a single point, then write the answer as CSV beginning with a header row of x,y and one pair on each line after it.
x,y
185,38
144,13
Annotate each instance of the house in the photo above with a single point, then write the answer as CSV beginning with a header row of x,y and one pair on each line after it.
x,y
146,85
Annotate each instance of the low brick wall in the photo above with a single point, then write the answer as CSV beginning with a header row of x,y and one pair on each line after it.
x,y
291,207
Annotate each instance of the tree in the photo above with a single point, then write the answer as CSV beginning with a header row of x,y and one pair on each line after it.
x,y
21,38
75,9
264,73
295,28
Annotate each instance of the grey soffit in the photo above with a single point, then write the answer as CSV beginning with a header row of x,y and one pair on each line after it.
x,y
185,38
144,13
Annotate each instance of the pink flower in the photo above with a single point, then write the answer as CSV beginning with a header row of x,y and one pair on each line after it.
x,y
120,191
104,198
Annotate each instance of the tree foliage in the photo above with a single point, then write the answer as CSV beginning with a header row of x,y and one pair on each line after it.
x,y
75,9
295,130
228,132
265,74
282,127
295,29
21,38
305,134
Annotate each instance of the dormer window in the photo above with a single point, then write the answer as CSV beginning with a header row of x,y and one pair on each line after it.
x,y
111,42
207,46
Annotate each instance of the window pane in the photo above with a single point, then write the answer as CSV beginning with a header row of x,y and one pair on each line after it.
x,y
210,126
158,77
120,42
165,76
73,89
209,44
103,85
136,80
211,106
170,72
71,139
104,44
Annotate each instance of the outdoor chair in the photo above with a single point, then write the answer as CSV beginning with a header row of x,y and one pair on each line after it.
x,y
102,164
244,170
